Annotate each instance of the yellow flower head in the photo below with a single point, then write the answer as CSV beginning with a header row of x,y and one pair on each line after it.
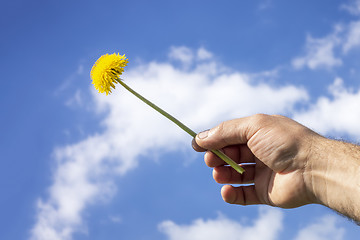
x,y
107,70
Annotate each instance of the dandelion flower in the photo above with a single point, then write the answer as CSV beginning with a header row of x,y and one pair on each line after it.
x,y
106,73
107,70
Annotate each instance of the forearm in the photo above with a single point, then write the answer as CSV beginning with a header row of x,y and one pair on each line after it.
x,y
335,176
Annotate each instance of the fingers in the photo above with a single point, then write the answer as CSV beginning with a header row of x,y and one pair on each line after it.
x,y
227,175
244,195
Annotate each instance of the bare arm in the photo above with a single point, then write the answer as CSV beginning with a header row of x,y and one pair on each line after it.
x,y
335,172
288,164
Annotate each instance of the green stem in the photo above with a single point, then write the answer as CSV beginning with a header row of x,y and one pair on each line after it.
x,y
182,126
229,161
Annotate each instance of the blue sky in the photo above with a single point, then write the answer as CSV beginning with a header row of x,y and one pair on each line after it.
x,y
79,165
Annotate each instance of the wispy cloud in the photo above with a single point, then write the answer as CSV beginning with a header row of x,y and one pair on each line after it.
x,y
353,7
201,97
319,52
328,52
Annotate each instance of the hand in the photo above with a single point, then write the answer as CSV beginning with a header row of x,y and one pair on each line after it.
x,y
286,164
276,152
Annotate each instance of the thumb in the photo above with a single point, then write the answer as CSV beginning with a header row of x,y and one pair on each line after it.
x,y
236,131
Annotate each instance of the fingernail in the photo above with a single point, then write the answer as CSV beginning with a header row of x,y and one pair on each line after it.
x,y
196,147
203,134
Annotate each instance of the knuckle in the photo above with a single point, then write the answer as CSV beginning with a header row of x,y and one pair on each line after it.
x,y
277,116
260,118
219,128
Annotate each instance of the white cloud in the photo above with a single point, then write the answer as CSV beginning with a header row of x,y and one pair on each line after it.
x,y
266,227
352,38
200,97
319,52
339,113
324,229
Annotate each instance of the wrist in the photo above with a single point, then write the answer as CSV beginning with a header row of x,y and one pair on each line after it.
x,y
333,175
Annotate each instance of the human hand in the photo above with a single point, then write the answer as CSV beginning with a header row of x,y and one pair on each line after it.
x,y
275,151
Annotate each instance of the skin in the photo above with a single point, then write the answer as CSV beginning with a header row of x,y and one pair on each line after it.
x,y
286,164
